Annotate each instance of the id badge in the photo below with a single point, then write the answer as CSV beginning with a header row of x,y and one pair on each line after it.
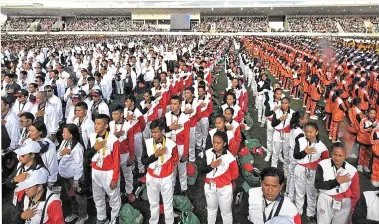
x,y
157,170
99,163
212,185
337,205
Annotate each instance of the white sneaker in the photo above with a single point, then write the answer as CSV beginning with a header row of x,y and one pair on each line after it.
x,y
81,220
375,183
304,106
366,169
313,117
267,158
247,128
71,218
286,90
308,111
360,168
262,125
296,98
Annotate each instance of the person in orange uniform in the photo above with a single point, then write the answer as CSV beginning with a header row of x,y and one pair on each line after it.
x,y
374,140
338,116
329,106
315,97
365,129
355,116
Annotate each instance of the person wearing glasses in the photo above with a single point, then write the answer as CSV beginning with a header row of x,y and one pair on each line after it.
x,y
11,122
22,104
55,101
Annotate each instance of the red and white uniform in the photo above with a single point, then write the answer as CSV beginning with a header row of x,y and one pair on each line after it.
x,y
53,211
305,171
281,138
126,152
149,115
218,185
233,148
238,113
180,136
202,126
106,169
137,127
331,191
256,207
193,118
159,178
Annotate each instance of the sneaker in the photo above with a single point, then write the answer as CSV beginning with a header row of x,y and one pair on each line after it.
x,y
304,106
313,117
247,128
71,218
308,111
262,125
311,220
82,220
105,221
295,98
131,197
259,120
360,168
366,169
267,158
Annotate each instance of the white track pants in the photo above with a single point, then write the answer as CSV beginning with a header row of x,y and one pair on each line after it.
x,y
181,168
290,188
261,108
138,148
192,145
127,172
202,133
147,131
100,186
305,186
326,214
278,147
270,134
223,198
155,187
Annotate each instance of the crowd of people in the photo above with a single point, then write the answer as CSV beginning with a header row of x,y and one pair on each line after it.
x,y
87,116
235,24
207,24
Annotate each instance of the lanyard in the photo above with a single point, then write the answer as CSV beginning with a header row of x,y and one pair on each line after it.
x,y
163,145
265,219
335,175
103,149
21,108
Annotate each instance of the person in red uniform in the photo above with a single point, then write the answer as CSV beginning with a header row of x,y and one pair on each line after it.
x,y
338,183
221,169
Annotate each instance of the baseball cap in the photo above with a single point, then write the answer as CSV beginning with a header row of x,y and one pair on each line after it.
x,y
191,173
35,177
83,70
21,92
29,146
77,97
96,92
244,151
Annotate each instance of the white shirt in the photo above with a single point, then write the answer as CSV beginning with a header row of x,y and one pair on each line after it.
x,y
71,165
19,108
13,128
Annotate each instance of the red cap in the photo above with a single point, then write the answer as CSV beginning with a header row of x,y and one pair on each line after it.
x,y
244,151
191,169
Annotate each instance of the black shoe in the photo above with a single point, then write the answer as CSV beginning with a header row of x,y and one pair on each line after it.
x,y
311,220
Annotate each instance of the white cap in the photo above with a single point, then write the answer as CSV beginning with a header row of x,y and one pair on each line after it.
x,y
34,178
29,146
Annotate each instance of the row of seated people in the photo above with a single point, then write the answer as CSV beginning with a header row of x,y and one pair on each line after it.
x,y
214,24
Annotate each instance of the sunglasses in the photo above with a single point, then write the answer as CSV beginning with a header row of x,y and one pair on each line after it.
x,y
49,91
21,96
